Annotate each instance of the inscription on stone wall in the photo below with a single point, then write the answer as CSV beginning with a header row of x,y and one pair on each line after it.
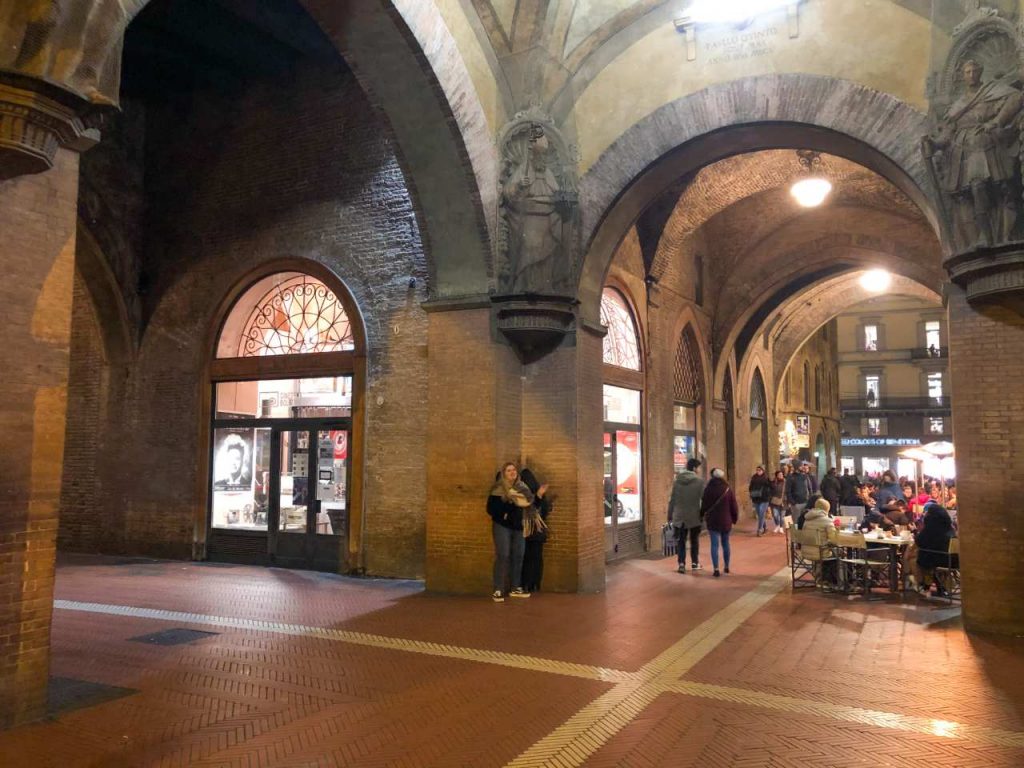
x,y
740,46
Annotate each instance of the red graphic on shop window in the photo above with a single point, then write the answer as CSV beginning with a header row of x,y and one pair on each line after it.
x,y
340,440
628,454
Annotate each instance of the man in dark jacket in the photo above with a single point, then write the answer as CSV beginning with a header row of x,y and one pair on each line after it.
x,y
830,489
684,514
798,491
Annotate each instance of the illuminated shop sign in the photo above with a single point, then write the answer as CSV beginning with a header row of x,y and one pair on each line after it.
x,y
882,441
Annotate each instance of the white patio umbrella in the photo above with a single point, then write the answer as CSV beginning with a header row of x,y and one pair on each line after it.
x,y
940,449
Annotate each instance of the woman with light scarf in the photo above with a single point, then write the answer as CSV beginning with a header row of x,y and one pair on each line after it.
x,y
507,502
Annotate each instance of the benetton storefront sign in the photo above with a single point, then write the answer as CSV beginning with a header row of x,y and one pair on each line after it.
x,y
881,441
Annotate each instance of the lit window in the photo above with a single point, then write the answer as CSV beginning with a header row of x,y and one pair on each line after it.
x,y
875,427
871,386
933,338
935,387
621,347
870,338
936,426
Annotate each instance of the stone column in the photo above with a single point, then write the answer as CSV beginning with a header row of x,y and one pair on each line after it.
x,y
37,218
474,425
486,408
987,370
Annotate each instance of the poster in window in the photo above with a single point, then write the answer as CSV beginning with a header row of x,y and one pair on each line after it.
x,y
233,458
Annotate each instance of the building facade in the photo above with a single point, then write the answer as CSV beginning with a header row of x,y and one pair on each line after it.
x,y
894,384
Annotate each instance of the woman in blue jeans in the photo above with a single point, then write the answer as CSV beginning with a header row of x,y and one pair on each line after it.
x,y
508,499
720,512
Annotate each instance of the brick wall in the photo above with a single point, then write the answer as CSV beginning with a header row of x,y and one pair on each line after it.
x,y
298,169
988,427
81,515
37,217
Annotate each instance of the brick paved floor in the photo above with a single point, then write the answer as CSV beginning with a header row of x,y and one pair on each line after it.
x,y
306,669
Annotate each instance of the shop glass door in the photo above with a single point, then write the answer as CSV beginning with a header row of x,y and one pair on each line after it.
x,y
310,516
623,507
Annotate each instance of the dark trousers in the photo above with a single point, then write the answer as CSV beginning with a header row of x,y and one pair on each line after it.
x,y
533,565
681,536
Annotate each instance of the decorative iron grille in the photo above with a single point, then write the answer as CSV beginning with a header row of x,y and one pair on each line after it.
x,y
621,344
297,316
758,399
688,372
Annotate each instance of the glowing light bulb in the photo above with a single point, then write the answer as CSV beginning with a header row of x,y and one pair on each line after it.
x,y
875,280
810,192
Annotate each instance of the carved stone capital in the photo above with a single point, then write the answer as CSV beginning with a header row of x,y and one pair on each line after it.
x,y
991,275
534,324
34,125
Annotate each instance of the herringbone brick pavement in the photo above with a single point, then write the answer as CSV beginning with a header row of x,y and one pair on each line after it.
x,y
662,669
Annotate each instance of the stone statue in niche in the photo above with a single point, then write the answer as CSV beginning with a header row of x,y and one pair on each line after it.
x,y
975,156
537,210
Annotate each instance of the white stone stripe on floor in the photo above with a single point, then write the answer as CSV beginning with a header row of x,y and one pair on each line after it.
x,y
500,658
873,717
571,743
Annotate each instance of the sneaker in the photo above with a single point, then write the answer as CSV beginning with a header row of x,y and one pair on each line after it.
x,y
697,567
717,574
498,597
518,592
681,569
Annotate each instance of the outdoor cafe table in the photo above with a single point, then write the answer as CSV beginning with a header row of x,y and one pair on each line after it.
x,y
899,544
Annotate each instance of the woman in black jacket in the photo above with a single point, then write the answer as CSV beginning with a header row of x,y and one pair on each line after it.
x,y
932,543
508,499
533,554
760,490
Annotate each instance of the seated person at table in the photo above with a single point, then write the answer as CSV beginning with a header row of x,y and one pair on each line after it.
x,y
802,519
814,535
898,514
932,542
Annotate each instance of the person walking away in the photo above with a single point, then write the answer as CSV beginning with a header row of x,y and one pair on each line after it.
x,y
533,551
720,512
830,489
684,513
778,499
798,491
508,498
760,489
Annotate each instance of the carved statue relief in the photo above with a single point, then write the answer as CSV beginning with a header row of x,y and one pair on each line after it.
x,y
974,150
537,208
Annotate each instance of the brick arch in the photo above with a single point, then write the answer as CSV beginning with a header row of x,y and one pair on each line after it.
x,y
107,299
407,61
785,111
811,308
838,252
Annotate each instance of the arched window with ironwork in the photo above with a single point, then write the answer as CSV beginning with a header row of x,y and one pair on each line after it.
x,y
758,399
688,396
621,343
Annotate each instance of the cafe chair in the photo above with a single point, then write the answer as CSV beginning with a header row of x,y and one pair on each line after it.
x,y
947,575
858,569
813,561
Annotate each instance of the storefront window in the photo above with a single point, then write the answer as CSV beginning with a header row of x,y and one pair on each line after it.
x,y
284,398
848,463
873,467
684,439
621,405
241,478
622,476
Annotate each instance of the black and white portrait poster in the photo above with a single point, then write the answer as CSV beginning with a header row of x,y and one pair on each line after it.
x,y
232,460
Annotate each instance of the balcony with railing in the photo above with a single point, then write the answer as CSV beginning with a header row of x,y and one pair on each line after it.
x,y
929,353
934,405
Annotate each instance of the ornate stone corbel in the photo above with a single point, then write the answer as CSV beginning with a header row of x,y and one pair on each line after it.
x,y
533,324
35,121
